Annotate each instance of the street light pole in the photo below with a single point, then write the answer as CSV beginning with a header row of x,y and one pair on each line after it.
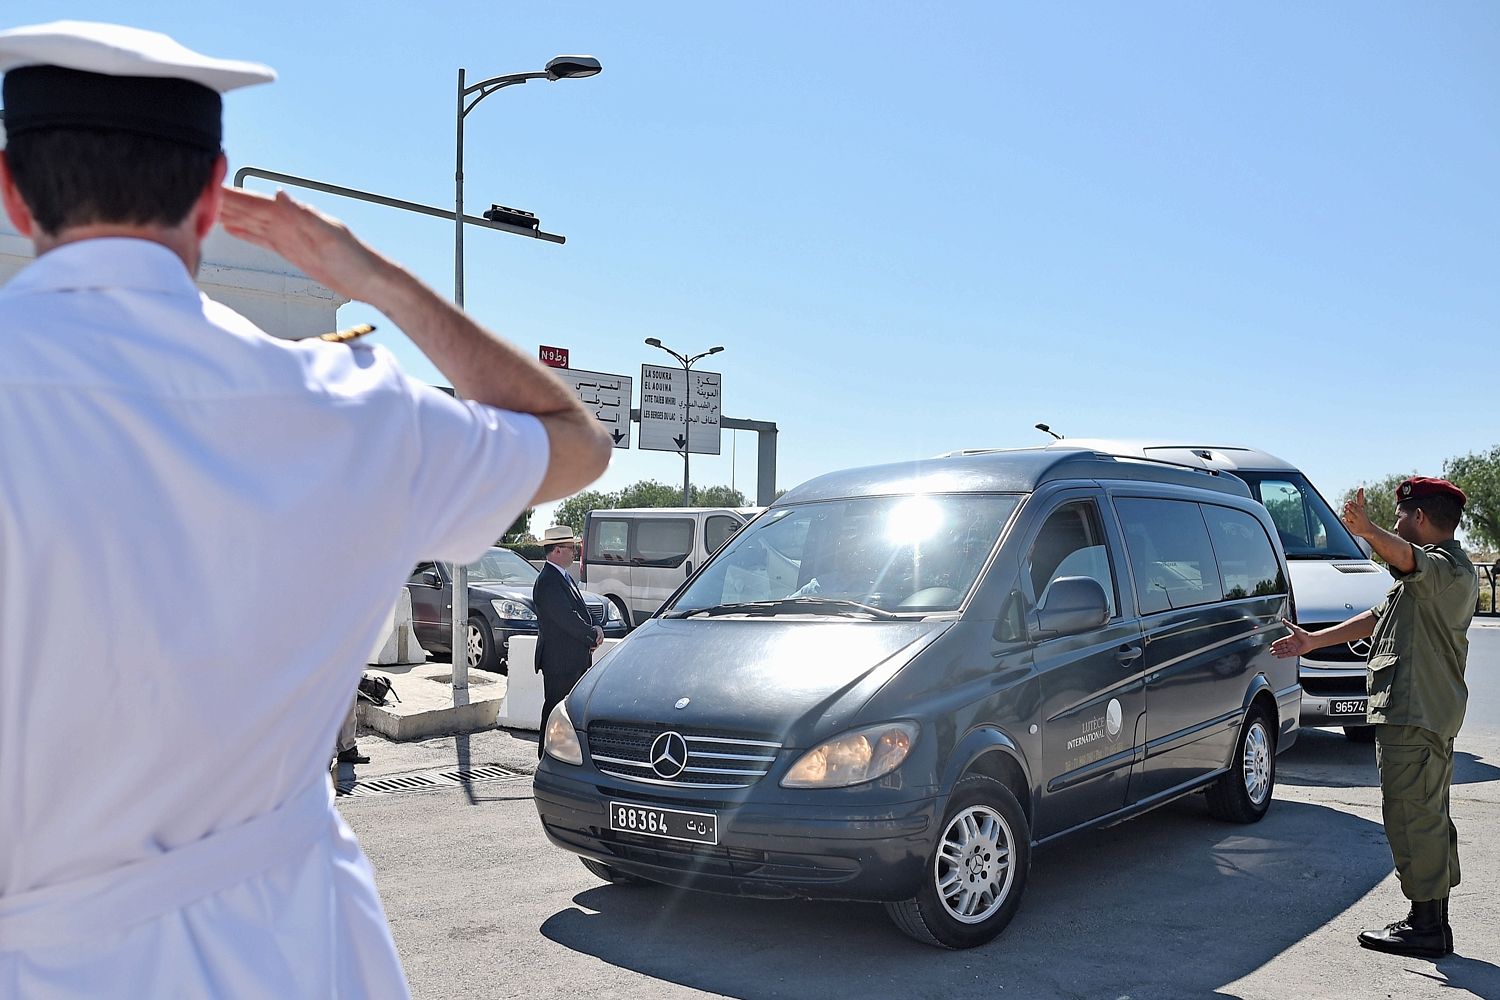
x,y
687,397
558,68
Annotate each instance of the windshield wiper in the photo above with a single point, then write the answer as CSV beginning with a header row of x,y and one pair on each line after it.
x,y
814,605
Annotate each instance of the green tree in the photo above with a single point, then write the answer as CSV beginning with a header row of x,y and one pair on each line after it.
x,y
645,493
1478,475
649,493
719,496
518,531
573,510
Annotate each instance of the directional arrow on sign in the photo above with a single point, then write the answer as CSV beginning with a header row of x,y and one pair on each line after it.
x,y
619,436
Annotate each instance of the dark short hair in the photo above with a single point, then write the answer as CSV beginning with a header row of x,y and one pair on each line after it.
x,y
76,177
1441,509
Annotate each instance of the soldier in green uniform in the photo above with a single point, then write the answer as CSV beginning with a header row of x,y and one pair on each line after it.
x,y
1415,677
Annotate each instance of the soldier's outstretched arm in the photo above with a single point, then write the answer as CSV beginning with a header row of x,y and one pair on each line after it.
x,y
481,365
1301,642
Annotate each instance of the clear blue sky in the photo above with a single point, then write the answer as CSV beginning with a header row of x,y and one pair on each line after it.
x,y
920,227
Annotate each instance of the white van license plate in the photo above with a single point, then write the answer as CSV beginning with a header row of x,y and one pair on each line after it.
x,y
1348,706
671,824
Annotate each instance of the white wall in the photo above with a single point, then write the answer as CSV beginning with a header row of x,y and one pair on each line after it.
x,y
256,283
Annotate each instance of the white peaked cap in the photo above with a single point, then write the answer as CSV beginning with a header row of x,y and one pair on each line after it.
x,y
115,50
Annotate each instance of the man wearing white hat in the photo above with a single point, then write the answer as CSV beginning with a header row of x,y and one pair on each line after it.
x,y
566,634
188,476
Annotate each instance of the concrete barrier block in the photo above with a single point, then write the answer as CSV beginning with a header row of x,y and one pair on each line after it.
x,y
399,644
521,708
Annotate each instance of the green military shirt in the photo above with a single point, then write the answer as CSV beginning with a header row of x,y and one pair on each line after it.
x,y
1421,641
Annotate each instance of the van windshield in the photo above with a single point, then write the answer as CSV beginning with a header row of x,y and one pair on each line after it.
x,y
905,554
1307,525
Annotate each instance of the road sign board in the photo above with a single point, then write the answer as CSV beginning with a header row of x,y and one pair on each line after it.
x,y
671,418
553,357
607,397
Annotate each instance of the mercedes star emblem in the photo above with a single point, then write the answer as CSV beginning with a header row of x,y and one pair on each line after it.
x,y
683,702
669,755
1360,647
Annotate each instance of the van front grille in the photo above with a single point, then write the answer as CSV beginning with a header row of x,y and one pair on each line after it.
x,y
713,760
1340,652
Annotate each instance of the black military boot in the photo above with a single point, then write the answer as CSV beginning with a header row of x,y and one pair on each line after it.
x,y
1420,934
1447,930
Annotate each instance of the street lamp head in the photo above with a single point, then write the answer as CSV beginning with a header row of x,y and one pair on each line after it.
x,y
652,342
714,350
572,67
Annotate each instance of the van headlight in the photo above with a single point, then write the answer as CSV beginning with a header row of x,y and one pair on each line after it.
x,y
561,739
863,755
513,611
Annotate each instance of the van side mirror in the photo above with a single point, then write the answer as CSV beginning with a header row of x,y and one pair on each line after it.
x,y
1073,604
430,578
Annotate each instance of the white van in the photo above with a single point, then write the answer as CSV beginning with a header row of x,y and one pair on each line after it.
x,y
637,557
1333,576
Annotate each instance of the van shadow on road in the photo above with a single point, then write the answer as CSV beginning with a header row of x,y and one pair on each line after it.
x,y
1171,904
1323,758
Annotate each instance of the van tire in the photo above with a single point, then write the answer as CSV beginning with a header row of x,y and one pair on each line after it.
x,y
603,871
983,825
1359,734
1242,794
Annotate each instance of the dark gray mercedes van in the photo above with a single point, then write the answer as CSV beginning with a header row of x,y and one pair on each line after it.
x,y
898,680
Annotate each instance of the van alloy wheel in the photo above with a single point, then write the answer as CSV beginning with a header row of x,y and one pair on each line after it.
x,y
973,882
972,864
1257,763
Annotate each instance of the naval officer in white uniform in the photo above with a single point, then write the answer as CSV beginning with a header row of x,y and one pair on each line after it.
x,y
174,485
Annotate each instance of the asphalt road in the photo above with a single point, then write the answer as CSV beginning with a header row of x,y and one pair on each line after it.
x,y
1173,904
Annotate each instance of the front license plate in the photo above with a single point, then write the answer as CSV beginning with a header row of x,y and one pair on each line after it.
x,y
672,824
1348,706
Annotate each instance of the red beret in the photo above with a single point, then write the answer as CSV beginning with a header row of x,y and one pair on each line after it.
x,y
1425,486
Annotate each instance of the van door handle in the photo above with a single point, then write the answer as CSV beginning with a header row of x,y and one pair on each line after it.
x,y
689,569
1128,655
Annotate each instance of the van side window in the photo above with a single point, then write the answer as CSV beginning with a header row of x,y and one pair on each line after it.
x,y
1171,558
608,541
1247,563
1071,543
716,531
665,542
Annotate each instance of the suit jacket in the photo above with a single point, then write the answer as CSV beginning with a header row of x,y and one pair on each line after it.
x,y
565,632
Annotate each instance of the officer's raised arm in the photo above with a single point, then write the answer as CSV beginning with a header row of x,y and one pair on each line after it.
x,y
482,366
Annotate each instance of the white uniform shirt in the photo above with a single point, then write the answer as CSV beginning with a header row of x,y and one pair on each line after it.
x,y
202,529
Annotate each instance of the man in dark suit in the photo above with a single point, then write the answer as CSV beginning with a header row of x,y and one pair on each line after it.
x,y
566,635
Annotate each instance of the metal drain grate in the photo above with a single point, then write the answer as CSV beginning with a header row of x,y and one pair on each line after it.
x,y
421,780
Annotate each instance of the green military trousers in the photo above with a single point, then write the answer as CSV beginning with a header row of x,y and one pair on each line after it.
x,y
1416,770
